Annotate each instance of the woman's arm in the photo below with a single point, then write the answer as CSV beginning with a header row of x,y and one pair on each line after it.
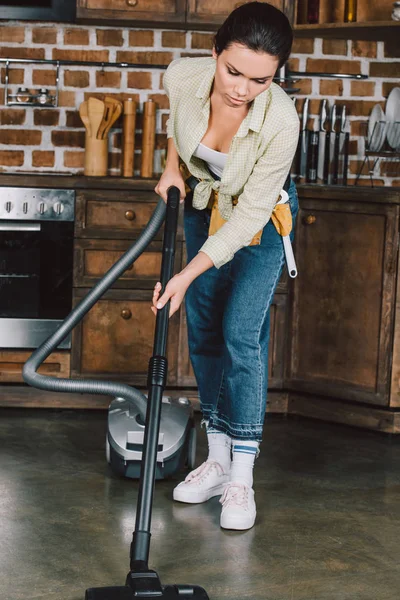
x,y
175,289
172,175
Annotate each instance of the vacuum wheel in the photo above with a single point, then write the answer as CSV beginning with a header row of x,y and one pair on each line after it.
x,y
191,460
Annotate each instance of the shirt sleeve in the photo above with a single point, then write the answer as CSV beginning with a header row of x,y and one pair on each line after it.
x,y
258,199
170,80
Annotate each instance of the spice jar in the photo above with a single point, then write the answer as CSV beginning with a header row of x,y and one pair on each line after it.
x,y
396,11
23,95
43,96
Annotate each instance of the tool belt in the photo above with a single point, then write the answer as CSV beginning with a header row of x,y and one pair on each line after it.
x,y
281,215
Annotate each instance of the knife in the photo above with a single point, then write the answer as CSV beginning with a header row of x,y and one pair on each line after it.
x,y
327,153
322,137
312,158
304,140
346,143
336,152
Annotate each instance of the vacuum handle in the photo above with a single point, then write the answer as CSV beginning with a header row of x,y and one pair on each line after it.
x,y
167,268
157,379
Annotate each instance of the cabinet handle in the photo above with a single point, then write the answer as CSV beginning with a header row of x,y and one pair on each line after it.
x,y
310,219
126,313
132,2
130,215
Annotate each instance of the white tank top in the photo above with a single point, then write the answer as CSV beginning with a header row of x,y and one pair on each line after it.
x,y
214,159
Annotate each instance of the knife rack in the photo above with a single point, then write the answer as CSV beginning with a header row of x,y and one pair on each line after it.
x,y
372,158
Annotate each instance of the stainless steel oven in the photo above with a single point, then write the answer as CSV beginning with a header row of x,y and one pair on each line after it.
x,y
38,10
36,263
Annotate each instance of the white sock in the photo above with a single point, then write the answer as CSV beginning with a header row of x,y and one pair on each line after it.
x,y
219,448
243,456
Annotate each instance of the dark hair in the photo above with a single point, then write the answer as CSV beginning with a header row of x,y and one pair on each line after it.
x,y
258,26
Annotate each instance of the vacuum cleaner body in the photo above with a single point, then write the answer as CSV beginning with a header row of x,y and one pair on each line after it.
x,y
176,441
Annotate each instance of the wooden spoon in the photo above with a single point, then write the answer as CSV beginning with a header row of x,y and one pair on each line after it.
x,y
95,112
83,112
114,116
108,110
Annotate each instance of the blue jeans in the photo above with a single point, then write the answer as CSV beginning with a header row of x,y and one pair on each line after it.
x,y
228,326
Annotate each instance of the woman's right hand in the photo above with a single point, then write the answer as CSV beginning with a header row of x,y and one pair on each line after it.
x,y
170,177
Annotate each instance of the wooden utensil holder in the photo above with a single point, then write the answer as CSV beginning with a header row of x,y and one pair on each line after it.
x,y
96,157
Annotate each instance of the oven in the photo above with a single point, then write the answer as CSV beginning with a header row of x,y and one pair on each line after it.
x,y
36,264
38,10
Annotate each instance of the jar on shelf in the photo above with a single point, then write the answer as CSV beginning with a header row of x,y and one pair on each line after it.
x,y
23,95
43,96
396,11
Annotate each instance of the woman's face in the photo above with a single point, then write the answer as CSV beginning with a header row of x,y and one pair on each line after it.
x,y
242,74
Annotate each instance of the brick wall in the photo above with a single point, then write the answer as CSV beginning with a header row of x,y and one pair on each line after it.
x,y
38,139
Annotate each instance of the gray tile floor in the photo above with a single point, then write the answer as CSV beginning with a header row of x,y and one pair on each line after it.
x,y
328,524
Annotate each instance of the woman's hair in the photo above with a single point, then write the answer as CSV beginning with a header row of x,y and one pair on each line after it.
x,y
258,26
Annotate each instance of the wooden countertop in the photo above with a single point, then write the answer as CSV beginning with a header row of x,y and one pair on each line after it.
x,y
389,195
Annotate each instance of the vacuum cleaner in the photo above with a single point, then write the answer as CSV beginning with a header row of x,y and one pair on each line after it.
x,y
157,453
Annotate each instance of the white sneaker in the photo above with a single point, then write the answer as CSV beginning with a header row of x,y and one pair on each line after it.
x,y
238,506
203,483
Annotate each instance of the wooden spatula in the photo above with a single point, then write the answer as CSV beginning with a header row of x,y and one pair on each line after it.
x,y
83,113
114,116
95,113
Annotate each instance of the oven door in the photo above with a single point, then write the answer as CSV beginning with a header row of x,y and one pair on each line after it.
x,y
36,262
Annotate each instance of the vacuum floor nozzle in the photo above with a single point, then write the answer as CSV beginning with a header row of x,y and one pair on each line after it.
x,y
169,592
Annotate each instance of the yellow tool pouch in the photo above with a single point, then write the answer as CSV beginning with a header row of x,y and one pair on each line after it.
x,y
281,215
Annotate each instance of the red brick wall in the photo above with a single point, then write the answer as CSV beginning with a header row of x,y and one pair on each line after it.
x,y
35,139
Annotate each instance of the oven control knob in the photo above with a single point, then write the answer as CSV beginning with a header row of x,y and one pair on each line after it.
x,y
8,207
58,208
42,208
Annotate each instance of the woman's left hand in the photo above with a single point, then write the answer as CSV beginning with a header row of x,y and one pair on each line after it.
x,y
175,292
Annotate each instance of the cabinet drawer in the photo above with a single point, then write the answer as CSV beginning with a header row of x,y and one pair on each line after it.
x,y
93,258
132,10
120,215
115,339
12,361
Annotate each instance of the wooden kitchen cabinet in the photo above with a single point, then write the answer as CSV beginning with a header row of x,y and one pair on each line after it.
x,y
211,11
115,339
178,13
152,11
344,299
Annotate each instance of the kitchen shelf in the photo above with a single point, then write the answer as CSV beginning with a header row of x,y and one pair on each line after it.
x,y
374,30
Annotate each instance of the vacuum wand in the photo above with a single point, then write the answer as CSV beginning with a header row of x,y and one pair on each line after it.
x,y
157,379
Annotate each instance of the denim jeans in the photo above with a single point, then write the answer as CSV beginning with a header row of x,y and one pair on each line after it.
x,y
228,326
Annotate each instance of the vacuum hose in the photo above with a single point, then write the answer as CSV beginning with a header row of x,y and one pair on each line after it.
x,y
92,386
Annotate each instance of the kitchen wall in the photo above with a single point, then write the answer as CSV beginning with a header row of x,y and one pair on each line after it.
x,y
52,140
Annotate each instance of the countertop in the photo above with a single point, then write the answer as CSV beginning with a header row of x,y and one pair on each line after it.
x,y
80,182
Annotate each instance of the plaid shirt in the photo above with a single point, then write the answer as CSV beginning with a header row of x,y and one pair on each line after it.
x,y
259,158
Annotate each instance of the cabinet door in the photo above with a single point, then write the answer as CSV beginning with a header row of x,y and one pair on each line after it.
x,y
93,258
216,11
132,10
115,339
343,305
278,319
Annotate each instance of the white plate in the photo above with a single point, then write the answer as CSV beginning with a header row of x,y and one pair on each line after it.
x,y
392,115
376,129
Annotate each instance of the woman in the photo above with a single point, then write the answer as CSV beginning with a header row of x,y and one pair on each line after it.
x,y
236,132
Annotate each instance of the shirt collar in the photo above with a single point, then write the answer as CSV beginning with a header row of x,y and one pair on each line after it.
x,y
255,116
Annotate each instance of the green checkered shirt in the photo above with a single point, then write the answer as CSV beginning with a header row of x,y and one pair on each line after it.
x,y
259,158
